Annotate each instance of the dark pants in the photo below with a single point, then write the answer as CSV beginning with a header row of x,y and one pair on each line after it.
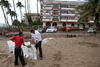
x,y
38,47
19,54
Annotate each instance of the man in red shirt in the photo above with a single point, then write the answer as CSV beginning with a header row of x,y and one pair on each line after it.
x,y
19,41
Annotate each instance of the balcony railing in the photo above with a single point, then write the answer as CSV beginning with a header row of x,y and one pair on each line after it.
x,y
63,20
55,19
56,8
67,20
47,7
46,13
67,8
67,14
55,13
46,20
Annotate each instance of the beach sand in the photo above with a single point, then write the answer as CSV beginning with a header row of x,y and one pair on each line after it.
x,y
60,52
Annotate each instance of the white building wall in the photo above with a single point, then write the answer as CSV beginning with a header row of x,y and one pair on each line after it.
x,y
59,24
44,24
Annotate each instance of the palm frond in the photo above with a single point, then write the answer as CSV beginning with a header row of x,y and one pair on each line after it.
x,y
19,4
88,9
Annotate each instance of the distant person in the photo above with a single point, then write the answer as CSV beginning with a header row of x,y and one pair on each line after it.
x,y
36,36
19,41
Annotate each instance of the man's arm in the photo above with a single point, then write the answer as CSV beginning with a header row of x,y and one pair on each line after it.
x,y
22,40
12,38
32,41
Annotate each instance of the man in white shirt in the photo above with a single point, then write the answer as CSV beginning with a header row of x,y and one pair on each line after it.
x,y
36,36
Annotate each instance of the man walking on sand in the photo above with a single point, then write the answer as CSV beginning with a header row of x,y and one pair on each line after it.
x,y
19,41
36,36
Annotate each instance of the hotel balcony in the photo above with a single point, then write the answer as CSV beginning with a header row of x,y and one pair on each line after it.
x,y
56,8
46,19
55,14
72,20
55,19
64,8
63,20
47,7
65,14
68,6
46,14
68,20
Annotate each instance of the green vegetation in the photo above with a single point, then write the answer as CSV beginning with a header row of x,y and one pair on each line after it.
x,y
7,11
88,10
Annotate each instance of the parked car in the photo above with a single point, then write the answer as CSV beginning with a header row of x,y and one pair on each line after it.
x,y
41,30
51,30
91,30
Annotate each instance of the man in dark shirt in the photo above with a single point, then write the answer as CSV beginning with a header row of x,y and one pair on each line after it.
x,y
19,41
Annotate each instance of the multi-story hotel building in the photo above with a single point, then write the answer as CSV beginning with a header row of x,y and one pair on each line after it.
x,y
60,14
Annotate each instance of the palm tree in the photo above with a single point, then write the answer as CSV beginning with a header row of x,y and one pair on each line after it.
x,y
28,6
37,7
90,9
4,5
25,7
19,4
41,2
14,7
4,15
16,23
9,11
12,14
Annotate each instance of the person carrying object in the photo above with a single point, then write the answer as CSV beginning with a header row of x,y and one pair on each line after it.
x,y
19,41
37,38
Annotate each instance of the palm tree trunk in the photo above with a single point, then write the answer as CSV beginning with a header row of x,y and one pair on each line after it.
x,y
25,7
6,21
11,19
28,5
97,21
37,7
20,13
14,7
6,17
41,1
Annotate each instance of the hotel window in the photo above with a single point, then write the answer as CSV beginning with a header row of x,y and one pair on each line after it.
x,y
55,10
64,5
64,11
71,17
55,5
77,17
48,11
72,5
49,5
47,17
55,16
71,12
64,17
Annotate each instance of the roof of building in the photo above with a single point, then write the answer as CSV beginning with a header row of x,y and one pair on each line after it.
x,y
63,2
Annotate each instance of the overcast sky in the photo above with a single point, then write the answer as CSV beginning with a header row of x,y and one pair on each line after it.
x,y
33,8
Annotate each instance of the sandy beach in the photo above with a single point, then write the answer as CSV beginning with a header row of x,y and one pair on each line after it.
x,y
82,51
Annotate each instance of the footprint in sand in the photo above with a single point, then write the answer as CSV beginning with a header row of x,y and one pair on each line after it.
x,y
57,56
55,65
